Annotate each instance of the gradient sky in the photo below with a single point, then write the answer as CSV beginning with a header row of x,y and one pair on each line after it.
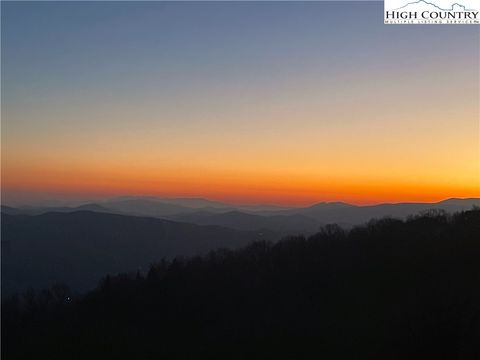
x,y
278,102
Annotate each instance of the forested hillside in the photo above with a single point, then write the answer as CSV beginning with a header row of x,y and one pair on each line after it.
x,y
390,289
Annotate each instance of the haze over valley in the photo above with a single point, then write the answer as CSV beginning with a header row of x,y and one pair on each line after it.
x,y
238,180
78,245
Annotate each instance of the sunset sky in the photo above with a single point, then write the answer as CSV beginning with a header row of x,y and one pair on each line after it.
x,y
272,102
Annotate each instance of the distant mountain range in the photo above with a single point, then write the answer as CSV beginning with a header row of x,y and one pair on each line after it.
x,y
78,245
207,212
284,224
352,214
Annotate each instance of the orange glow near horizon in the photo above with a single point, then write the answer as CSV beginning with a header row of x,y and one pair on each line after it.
x,y
288,110
286,197
230,186
236,168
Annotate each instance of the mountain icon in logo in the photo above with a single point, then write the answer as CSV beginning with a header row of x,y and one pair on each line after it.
x,y
415,5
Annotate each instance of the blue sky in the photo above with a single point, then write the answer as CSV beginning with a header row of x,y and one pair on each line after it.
x,y
319,92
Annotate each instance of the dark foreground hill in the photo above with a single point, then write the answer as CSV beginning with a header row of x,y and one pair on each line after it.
x,y
79,248
391,289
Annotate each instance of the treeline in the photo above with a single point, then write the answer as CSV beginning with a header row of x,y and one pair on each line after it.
x,y
390,289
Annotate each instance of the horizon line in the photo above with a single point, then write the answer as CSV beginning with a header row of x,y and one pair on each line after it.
x,y
77,203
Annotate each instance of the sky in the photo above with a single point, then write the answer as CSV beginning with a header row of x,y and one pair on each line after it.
x,y
255,102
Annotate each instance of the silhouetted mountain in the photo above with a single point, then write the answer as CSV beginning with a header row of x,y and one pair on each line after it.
x,y
10,210
77,248
158,207
193,203
391,289
346,213
63,209
91,207
325,212
203,204
153,206
292,220
196,203
285,224
145,207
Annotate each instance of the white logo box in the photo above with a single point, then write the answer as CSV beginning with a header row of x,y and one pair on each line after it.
x,y
439,12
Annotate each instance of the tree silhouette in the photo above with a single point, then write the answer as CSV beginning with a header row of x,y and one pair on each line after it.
x,y
389,289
